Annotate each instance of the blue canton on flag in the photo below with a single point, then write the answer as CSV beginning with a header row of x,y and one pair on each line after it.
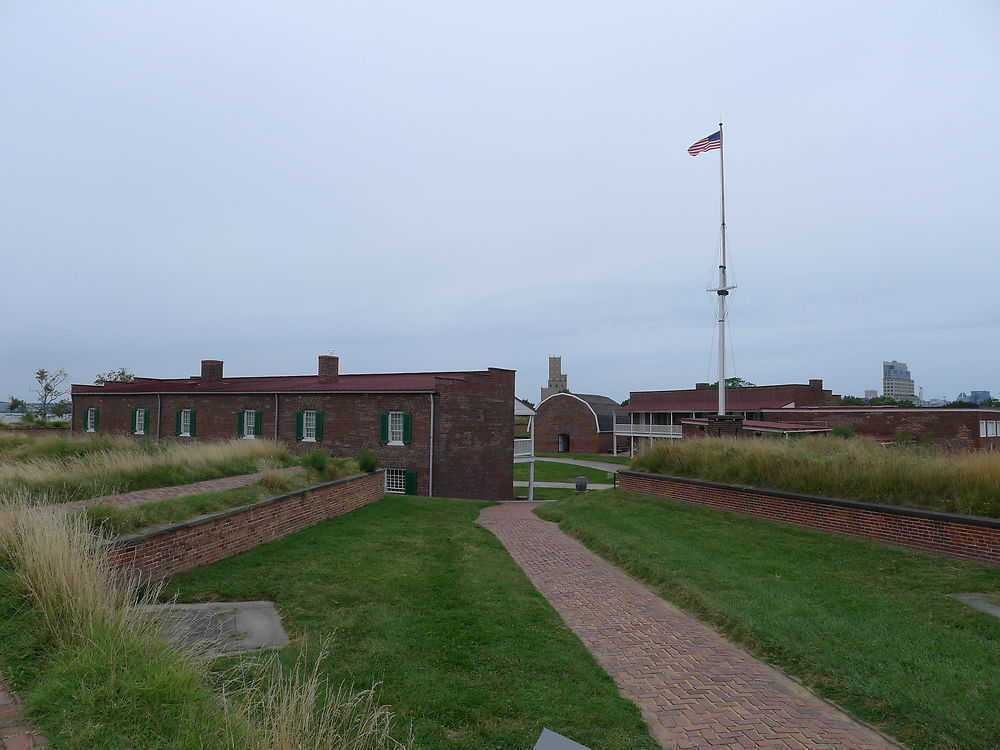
x,y
708,143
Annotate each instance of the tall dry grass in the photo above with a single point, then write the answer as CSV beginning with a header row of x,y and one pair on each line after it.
x,y
297,709
98,616
126,465
59,561
855,469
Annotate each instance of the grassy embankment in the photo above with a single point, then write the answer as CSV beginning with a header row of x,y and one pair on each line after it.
x,y
866,625
58,469
854,469
428,603
95,673
123,520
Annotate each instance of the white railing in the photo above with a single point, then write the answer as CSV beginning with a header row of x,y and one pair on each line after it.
x,y
524,447
649,430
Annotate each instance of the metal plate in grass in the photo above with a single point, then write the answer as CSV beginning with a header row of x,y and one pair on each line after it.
x,y
979,601
550,740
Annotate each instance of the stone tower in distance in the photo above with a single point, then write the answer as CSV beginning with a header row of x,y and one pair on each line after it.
x,y
557,381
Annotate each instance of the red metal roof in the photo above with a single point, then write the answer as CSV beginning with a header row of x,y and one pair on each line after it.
x,y
708,400
401,381
751,424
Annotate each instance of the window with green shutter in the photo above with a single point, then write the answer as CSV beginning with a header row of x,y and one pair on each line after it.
x,y
91,419
299,424
140,421
257,422
97,419
309,426
383,431
319,425
184,423
240,423
411,482
399,427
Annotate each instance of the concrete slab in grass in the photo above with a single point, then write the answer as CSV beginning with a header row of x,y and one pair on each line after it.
x,y
978,601
219,628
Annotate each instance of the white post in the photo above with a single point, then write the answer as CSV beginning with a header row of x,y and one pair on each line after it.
x,y
722,291
531,480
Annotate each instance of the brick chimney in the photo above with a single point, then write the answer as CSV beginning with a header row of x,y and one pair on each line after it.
x,y
211,369
329,367
816,384
701,386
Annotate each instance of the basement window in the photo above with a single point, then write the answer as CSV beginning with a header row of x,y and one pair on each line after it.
x,y
395,481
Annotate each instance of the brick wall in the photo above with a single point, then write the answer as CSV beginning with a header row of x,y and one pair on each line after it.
x,y
174,548
564,414
950,534
474,436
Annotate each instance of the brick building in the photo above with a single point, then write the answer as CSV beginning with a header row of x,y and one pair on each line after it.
x,y
575,423
965,428
446,433
651,415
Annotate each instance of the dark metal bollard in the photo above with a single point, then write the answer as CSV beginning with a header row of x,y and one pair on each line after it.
x,y
581,484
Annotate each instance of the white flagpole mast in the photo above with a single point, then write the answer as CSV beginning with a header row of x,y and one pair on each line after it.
x,y
723,290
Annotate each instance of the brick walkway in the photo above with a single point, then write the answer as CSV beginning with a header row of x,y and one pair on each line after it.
x,y
159,493
694,688
15,734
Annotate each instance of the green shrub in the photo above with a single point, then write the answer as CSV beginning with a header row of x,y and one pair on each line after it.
x,y
843,431
367,461
317,460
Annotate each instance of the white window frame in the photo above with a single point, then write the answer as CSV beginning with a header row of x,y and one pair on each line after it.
x,y
991,429
395,481
249,424
982,428
89,419
396,420
185,423
140,422
309,430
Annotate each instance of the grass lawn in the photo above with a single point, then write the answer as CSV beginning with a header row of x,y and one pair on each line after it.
x,y
418,597
603,457
547,471
866,625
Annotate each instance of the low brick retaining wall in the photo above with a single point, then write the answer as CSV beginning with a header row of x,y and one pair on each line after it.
x,y
969,537
163,551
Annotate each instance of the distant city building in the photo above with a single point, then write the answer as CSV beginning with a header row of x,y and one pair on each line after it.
x,y
870,394
557,381
977,397
896,381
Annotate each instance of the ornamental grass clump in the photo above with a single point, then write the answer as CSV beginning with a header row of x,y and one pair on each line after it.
x,y
297,709
909,475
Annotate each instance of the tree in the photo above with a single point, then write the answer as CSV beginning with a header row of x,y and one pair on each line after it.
x,y
121,375
50,390
853,401
15,404
735,383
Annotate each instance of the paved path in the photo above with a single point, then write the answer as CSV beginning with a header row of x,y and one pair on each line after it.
x,y
15,734
159,493
694,688
566,485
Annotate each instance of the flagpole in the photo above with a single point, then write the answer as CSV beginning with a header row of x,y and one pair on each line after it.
x,y
723,290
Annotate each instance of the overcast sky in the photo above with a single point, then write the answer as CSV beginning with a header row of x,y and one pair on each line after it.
x,y
456,185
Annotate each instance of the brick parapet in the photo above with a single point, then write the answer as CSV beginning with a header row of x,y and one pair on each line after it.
x,y
952,534
169,549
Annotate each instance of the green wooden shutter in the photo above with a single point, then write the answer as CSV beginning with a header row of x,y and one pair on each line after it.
x,y
319,426
383,434
177,422
256,422
407,427
411,482
299,421
133,420
192,423
97,419
240,422
145,422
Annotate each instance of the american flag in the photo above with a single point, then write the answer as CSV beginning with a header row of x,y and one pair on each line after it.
x,y
708,143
